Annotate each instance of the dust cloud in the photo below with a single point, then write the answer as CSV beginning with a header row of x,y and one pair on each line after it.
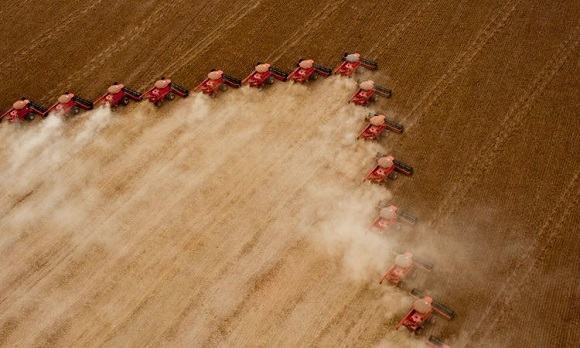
x,y
107,186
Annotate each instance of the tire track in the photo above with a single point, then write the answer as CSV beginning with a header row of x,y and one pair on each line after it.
x,y
121,42
313,23
463,60
483,161
568,200
225,25
48,34
398,29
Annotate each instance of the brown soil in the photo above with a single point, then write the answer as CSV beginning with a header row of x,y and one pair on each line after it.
x,y
228,222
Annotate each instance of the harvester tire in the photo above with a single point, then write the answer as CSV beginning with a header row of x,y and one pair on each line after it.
x,y
392,176
223,87
270,80
125,101
30,116
170,96
75,110
158,103
314,76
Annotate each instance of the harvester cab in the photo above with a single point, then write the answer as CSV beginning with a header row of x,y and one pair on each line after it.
x,y
389,216
367,92
118,95
403,268
23,110
164,89
377,124
265,74
306,70
351,62
386,168
70,104
216,81
421,312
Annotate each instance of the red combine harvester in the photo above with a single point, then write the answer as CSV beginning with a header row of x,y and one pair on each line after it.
x,y
436,342
377,125
306,70
405,265
367,92
69,103
422,311
387,168
265,74
351,62
390,216
164,89
118,95
216,82
23,110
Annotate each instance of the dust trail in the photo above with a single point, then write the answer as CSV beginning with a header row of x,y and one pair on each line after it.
x,y
112,202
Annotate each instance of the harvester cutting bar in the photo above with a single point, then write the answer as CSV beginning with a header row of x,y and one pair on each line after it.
x,y
438,307
403,168
37,107
437,342
407,217
279,73
322,70
369,64
83,103
133,94
232,81
383,91
394,126
422,263
180,90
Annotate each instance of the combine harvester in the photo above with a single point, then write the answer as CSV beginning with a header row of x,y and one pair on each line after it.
x,y
377,125
389,216
265,74
164,89
306,70
387,168
351,62
404,267
24,110
421,312
118,95
70,104
216,82
367,92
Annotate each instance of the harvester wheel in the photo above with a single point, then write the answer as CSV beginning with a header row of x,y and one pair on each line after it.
x,y
170,96
314,76
30,116
75,110
223,87
125,101
270,80
392,176
158,103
